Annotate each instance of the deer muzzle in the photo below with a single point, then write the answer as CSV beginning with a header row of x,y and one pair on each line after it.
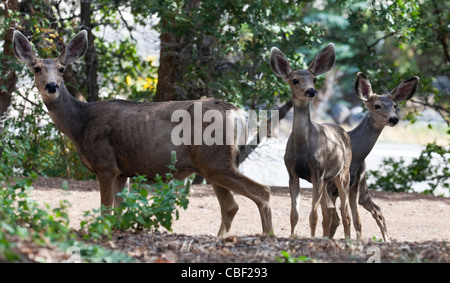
x,y
393,120
51,87
310,92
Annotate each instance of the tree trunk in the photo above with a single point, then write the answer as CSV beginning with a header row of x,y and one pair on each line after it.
x,y
90,58
175,59
179,59
166,71
8,77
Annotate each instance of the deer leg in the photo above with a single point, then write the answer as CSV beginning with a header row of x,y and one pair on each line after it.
x,y
107,180
228,209
236,182
335,220
366,201
318,189
342,183
353,198
328,212
294,190
119,186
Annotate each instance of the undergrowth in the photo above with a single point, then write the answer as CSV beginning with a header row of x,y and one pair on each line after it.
x,y
145,207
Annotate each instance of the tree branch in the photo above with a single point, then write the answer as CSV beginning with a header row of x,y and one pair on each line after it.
x,y
441,110
369,47
247,150
29,101
441,31
126,23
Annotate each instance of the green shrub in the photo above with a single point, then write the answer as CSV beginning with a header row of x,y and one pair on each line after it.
x,y
31,143
288,258
145,207
21,218
432,167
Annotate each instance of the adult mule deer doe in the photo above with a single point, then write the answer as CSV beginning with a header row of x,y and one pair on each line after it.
x,y
381,112
118,139
319,153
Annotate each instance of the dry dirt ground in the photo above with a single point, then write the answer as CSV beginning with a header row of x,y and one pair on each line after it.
x,y
419,226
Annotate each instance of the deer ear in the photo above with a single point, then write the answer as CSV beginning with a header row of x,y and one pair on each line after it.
x,y
363,88
406,89
23,49
75,49
279,63
324,60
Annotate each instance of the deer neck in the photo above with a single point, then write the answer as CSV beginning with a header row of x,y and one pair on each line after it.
x,y
68,113
301,124
363,139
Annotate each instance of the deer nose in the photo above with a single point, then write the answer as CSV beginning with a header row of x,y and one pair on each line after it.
x,y
393,120
51,87
310,92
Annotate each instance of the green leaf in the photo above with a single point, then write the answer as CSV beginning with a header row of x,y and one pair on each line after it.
x,y
143,192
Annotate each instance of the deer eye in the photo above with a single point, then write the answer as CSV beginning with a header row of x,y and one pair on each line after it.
x,y
395,106
62,70
377,106
37,69
314,80
295,81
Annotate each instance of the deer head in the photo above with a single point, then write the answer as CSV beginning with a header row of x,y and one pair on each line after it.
x,y
49,72
383,108
302,81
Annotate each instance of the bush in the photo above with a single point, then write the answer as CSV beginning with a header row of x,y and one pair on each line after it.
x,y
145,207
432,167
21,218
288,258
31,143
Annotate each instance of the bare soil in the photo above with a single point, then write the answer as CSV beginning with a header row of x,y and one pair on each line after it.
x,y
418,224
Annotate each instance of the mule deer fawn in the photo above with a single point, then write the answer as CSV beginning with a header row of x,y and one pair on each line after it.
x,y
381,112
118,139
319,153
